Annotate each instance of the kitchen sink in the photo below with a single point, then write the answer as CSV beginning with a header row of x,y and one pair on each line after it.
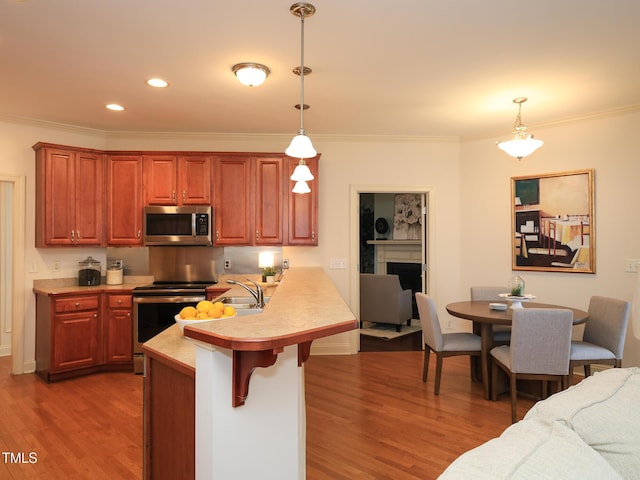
x,y
243,303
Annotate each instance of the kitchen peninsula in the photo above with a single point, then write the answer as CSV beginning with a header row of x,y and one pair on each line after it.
x,y
249,422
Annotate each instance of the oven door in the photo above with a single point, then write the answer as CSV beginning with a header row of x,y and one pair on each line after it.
x,y
151,315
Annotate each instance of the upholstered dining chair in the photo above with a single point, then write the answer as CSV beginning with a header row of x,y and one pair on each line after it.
x,y
539,350
604,334
443,345
383,300
501,333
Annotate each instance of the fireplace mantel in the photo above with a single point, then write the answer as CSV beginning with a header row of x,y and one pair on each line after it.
x,y
397,251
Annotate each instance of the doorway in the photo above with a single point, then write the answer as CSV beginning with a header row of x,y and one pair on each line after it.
x,y
12,260
369,238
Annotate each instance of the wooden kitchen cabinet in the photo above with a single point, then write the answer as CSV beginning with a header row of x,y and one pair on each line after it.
x,y
177,179
81,333
118,328
249,196
303,208
69,196
124,200
67,334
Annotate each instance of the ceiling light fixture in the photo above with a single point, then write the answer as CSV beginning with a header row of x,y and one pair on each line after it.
x,y
522,144
301,187
301,146
251,74
115,107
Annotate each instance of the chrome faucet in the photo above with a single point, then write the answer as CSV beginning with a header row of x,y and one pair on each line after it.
x,y
257,294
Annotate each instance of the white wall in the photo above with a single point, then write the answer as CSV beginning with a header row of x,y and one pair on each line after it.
x,y
469,203
605,144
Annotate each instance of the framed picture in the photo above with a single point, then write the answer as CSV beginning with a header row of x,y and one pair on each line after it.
x,y
407,216
553,224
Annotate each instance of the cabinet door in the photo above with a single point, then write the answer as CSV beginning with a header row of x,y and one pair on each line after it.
x,y
55,197
269,200
303,208
194,180
124,200
75,340
89,199
232,200
118,336
160,177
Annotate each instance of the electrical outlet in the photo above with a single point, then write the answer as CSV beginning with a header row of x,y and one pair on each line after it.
x,y
56,266
285,263
227,264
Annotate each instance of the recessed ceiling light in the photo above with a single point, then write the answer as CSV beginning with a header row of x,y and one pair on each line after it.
x,y
157,82
115,107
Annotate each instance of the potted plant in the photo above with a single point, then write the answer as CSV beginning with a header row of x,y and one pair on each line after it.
x,y
269,274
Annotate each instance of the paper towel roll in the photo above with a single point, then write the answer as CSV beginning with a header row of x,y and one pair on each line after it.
x,y
635,309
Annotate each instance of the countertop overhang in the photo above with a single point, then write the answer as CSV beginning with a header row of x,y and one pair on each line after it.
x,y
304,307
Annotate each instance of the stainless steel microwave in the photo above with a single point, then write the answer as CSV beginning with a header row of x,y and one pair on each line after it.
x,y
172,225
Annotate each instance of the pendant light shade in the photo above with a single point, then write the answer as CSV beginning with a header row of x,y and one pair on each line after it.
x,y
302,172
522,144
301,187
301,146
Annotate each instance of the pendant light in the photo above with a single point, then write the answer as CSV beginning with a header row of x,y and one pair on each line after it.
x,y
523,143
301,146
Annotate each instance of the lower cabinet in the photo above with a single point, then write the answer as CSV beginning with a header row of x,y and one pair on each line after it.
x,y
78,334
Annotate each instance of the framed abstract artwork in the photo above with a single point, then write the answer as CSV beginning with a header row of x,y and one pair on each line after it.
x,y
553,224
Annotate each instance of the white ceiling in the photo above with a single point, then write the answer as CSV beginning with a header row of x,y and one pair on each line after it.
x,y
409,67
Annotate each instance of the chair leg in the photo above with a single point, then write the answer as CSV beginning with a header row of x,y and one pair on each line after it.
x,y
436,390
545,389
409,323
587,371
425,368
494,380
514,396
398,327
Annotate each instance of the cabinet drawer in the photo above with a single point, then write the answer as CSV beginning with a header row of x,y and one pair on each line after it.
x,y
119,301
77,304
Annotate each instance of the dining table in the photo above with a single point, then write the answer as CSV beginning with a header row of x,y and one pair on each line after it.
x,y
484,318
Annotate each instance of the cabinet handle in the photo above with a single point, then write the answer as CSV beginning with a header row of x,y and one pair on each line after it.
x,y
139,234
217,235
95,315
120,301
173,196
257,234
313,235
78,236
77,304
184,195
73,236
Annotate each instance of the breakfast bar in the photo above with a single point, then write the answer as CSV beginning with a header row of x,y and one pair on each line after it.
x,y
249,384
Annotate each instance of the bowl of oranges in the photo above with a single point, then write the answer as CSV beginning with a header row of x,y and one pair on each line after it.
x,y
204,311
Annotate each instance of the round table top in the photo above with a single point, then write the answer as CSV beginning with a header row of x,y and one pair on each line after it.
x,y
479,311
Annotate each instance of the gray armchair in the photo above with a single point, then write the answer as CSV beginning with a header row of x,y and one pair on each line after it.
x,y
382,300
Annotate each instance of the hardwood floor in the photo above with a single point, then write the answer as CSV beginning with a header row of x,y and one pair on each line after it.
x,y
369,416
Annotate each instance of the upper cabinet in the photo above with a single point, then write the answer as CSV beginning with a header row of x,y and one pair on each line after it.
x,y
69,196
94,198
177,179
303,208
249,199
124,200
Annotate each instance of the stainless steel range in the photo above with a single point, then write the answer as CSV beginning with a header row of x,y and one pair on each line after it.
x,y
182,276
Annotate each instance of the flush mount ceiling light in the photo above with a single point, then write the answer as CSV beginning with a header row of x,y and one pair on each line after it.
x,y
251,74
115,107
523,143
301,146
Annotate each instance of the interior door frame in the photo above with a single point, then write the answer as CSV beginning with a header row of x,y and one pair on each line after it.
x,y
354,242
18,267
